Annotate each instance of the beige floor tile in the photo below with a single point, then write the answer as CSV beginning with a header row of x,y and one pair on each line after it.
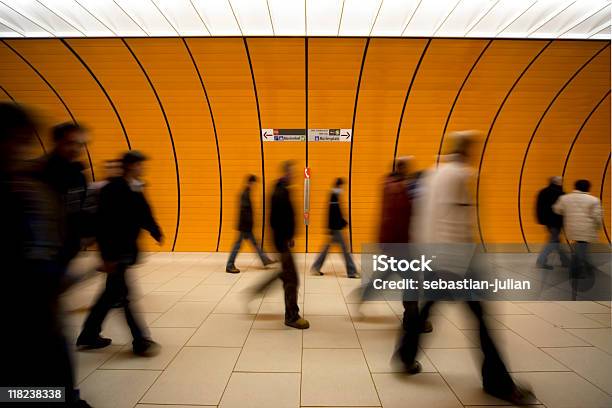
x,y
173,406
221,278
460,368
87,361
423,390
197,375
518,353
180,284
325,304
336,377
373,316
158,302
240,303
565,390
330,332
539,332
503,308
116,388
171,341
560,316
185,314
322,284
271,315
223,330
589,362
600,338
585,307
207,293
445,335
462,318
379,348
271,351
262,390
602,318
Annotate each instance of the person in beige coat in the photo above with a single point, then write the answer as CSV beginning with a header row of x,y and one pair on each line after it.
x,y
581,220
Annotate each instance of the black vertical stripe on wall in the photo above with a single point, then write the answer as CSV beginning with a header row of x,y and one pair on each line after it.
x,y
176,167
579,132
212,118
535,130
601,191
486,141
399,125
263,173
306,107
459,91
41,76
35,130
350,180
108,98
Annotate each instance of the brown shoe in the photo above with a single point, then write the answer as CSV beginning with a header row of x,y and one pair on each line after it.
x,y
232,269
299,323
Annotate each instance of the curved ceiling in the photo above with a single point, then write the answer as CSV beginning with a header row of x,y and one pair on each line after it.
x,y
575,19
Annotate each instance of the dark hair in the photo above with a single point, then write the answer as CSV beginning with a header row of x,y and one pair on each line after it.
x,y
287,165
339,182
251,178
62,130
15,121
583,185
131,157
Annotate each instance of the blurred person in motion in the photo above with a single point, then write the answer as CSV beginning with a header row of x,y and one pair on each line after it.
x,y
581,214
282,222
552,221
62,170
245,228
399,189
336,223
36,353
447,218
123,212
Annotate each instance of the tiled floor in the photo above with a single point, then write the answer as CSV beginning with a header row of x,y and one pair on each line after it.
x,y
219,349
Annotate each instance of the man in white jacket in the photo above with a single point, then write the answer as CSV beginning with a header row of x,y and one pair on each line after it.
x,y
581,219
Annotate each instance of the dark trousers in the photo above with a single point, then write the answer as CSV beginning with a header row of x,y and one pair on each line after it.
x,y
116,292
553,245
245,236
336,238
495,377
288,275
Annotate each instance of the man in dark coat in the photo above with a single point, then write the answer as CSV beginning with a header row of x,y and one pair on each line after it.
x,y
63,172
552,221
336,223
245,228
282,222
123,211
35,352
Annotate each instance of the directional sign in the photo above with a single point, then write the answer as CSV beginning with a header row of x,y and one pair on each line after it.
x,y
329,135
283,135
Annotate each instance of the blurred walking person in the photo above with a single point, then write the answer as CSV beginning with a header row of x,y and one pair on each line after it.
x,y
282,222
245,228
63,171
123,212
35,350
582,220
448,219
336,223
552,221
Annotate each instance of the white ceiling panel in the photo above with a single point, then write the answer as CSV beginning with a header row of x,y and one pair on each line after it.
x,y
358,17
568,19
288,17
323,16
218,16
393,17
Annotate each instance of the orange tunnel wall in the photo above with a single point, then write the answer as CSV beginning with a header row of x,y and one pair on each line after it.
x,y
196,107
